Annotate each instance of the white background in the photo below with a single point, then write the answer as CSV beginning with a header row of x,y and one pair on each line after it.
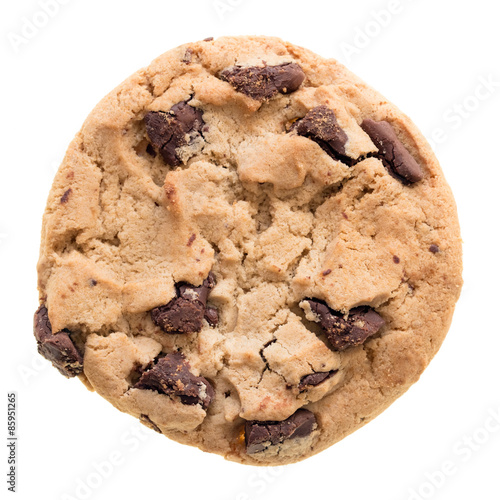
x,y
429,57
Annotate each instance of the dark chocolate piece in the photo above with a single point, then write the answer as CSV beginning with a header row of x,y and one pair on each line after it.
x,y
170,131
188,56
65,196
212,316
263,83
321,126
172,376
185,313
315,379
150,150
260,435
361,323
58,348
395,157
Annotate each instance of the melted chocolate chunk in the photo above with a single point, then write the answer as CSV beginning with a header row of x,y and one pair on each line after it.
x,y
395,157
170,131
185,313
315,379
321,126
260,435
262,83
361,323
171,375
58,348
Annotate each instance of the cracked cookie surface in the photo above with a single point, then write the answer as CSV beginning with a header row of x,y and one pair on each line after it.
x,y
248,249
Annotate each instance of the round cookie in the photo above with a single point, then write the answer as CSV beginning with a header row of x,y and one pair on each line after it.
x,y
248,249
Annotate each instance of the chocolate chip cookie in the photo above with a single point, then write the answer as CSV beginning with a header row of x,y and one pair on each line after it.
x,y
249,250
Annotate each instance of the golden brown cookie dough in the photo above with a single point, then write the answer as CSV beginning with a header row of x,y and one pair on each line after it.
x,y
239,251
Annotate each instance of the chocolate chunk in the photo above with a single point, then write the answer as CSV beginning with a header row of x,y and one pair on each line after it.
x,y
260,435
199,293
315,379
395,157
321,126
287,78
188,56
172,376
170,131
191,240
262,83
212,316
150,150
434,248
65,196
361,323
185,313
58,348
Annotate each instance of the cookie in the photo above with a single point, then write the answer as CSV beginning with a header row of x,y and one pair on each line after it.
x,y
249,250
